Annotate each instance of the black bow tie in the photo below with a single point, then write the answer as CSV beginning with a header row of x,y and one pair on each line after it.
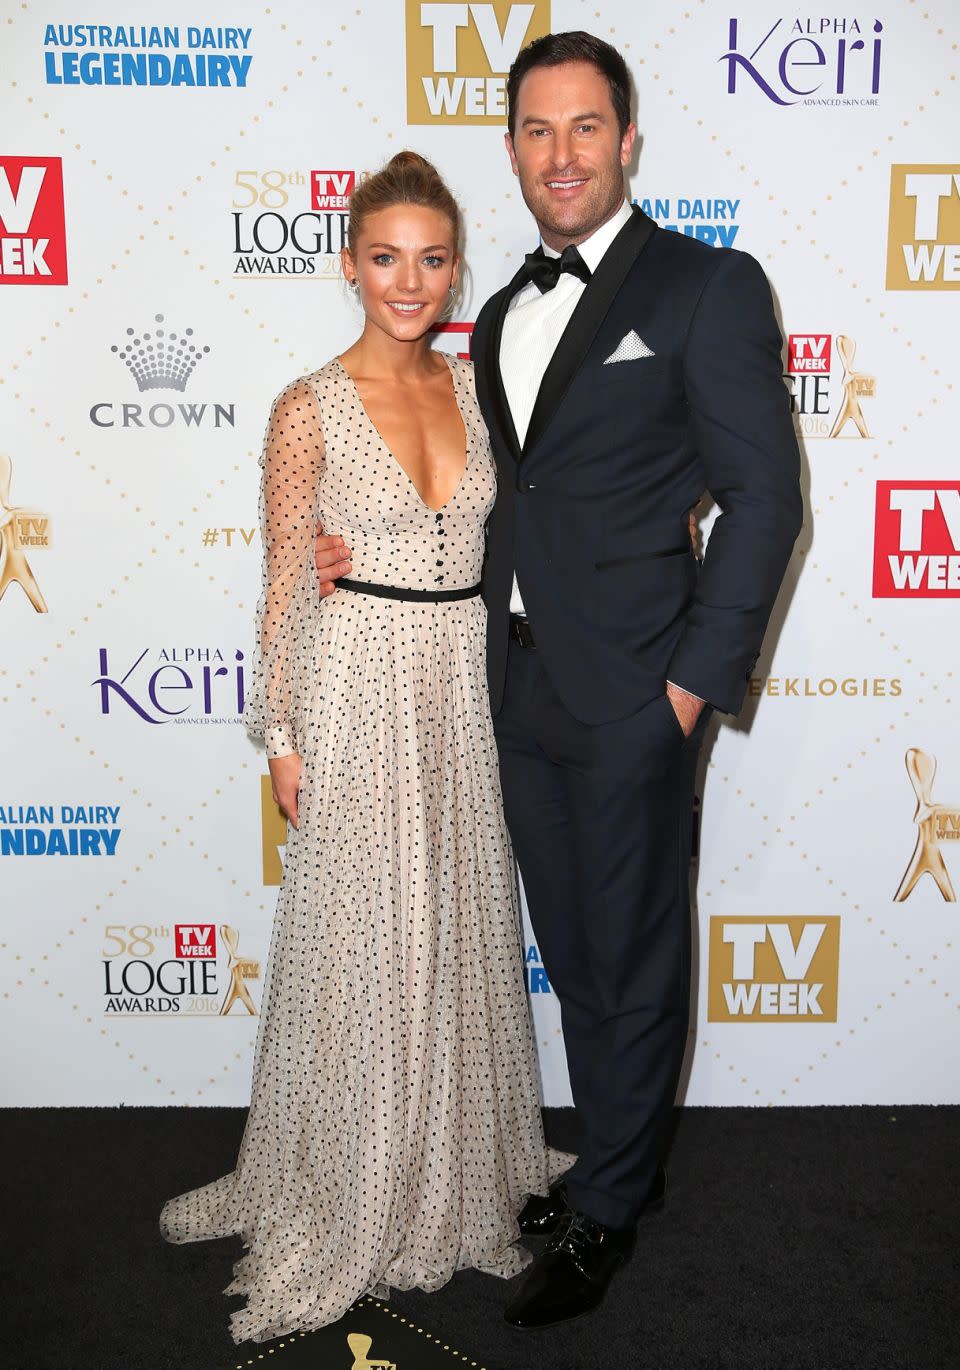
x,y
545,271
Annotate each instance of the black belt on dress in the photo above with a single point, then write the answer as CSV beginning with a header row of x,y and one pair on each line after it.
x,y
521,632
364,587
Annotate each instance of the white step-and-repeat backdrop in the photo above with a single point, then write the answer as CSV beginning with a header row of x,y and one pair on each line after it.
x,y
173,190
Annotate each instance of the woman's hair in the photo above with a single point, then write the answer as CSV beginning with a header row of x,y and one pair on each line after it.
x,y
555,49
407,179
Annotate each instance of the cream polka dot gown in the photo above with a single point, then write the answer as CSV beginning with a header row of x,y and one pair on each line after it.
x,y
394,1127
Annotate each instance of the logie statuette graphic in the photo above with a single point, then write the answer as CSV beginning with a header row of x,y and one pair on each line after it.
x,y
936,823
19,528
241,969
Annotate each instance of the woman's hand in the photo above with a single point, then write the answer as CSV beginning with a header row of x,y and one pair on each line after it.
x,y
285,776
332,558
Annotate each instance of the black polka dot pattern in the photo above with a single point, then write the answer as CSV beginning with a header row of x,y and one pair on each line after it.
x,y
394,1129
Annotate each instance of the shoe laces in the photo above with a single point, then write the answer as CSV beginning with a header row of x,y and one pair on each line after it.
x,y
575,1234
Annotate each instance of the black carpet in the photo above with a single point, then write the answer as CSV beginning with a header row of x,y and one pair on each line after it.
x,y
792,1238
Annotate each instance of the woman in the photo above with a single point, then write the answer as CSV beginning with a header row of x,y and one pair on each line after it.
x,y
394,1130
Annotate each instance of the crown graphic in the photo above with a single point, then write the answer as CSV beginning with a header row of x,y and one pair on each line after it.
x,y
161,360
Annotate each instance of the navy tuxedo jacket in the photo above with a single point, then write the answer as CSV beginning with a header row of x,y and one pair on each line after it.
x,y
591,512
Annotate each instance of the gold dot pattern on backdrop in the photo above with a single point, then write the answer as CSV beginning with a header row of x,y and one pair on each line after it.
x,y
305,61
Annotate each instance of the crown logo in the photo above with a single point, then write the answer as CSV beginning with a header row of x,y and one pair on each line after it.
x,y
161,360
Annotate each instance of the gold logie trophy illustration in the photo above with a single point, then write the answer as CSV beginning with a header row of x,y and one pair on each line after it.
x,y
360,1344
17,524
856,386
240,970
935,824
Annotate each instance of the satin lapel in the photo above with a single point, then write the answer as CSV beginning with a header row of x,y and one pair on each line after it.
x,y
586,320
493,376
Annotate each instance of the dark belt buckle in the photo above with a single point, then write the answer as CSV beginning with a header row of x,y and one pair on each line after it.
x,y
521,632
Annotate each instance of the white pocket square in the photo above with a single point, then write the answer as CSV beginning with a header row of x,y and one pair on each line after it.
x,y
629,349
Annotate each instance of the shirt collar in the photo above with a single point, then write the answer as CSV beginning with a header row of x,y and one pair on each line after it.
x,y
593,248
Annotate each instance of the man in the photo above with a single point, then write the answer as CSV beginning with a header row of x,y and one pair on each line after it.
x,y
621,372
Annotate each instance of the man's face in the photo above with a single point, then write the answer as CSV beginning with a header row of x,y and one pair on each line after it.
x,y
568,152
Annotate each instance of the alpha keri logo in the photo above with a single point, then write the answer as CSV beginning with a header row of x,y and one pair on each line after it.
x,y
923,241
773,970
936,823
197,685
916,543
458,56
827,390
33,235
807,59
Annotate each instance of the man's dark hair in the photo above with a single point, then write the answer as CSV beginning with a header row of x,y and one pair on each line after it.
x,y
553,49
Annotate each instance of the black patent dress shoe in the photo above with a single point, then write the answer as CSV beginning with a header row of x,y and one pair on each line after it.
x,y
571,1275
540,1216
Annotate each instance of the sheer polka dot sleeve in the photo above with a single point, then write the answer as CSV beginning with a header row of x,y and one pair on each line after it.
x,y
286,617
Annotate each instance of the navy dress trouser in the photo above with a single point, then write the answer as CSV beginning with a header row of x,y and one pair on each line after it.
x,y
601,820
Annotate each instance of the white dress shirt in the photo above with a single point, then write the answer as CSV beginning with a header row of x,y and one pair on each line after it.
x,y
534,325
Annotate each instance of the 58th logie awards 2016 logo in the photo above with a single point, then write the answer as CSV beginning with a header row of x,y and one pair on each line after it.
x,y
33,235
290,224
21,529
916,544
773,970
458,56
147,972
923,237
936,823
827,390
160,358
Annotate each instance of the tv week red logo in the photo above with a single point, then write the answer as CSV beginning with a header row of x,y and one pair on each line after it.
x,y
33,236
195,941
917,539
331,189
808,353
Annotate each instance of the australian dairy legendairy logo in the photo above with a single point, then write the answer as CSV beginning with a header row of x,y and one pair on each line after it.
x,y
146,55
59,829
709,219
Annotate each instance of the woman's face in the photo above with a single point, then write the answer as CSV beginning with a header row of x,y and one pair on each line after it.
x,y
405,262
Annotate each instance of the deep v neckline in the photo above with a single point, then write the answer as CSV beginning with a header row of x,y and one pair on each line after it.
x,y
434,509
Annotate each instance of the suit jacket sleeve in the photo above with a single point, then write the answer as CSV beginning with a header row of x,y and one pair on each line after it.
x,y
741,423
